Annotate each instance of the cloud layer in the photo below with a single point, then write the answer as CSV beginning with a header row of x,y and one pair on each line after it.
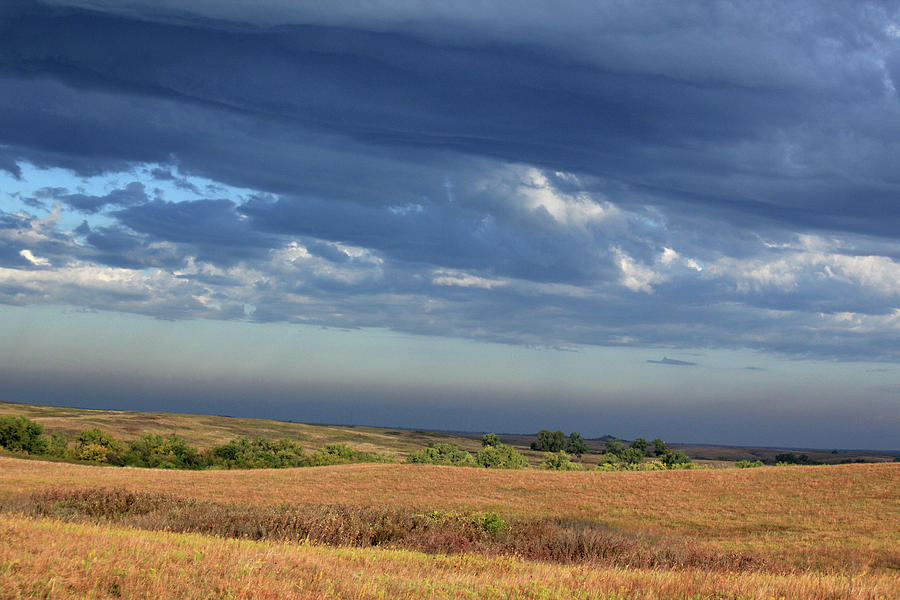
x,y
701,174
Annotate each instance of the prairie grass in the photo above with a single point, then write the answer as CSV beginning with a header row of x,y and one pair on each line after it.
x,y
554,540
48,558
422,531
828,519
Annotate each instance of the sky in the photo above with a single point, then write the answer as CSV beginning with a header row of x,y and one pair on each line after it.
x,y
630,218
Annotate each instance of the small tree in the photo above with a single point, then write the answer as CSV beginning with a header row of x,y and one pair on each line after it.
x,y
544,440
614,446
576,444
490,439
641,444
659,447
549,441
631,456
559,441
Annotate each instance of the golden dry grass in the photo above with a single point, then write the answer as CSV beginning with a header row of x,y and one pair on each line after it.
x,y
835,517
51,559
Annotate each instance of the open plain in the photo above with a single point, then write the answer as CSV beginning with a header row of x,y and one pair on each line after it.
x,y
792,532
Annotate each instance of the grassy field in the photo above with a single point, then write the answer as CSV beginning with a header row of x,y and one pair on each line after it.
x,y
813,532
423,531
52,559
824,517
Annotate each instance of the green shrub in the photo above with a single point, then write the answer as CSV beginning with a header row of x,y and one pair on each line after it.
x,y
675,459
500,457
92,452
443,454
58,445
490,522
342,454
97,445
158,452
257,453
559,461
748,464
20,434
653,465
490,439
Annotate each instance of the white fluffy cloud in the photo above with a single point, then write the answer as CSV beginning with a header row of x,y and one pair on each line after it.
x,y
35,260
809,264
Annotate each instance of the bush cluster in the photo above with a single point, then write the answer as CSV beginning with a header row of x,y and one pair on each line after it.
x,y
619,457
789,458
258,453
442,454
492,455
343,454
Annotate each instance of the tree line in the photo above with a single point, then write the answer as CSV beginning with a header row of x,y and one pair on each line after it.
x,y
19,434
616,455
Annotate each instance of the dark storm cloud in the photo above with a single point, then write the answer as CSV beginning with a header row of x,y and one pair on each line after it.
x,y
753,139
680,174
